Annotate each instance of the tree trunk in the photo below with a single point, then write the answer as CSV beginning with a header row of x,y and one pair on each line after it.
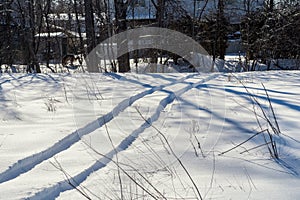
x,y
121,25
221,30
89,25
78,26
32,31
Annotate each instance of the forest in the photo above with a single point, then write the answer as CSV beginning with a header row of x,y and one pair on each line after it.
x,y
149,99
35,33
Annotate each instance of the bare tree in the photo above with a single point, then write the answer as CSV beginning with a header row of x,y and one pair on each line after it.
x,y
6,34
30,23
77,12
121,25
221,33
89,25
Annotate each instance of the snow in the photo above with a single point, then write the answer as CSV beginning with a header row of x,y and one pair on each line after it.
x,y
52,34
58,131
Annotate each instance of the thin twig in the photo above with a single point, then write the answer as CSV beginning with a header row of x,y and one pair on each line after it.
x,y
117,159
242,142
65,91
172,152
273,113
128,175
271,145
256,147
69,179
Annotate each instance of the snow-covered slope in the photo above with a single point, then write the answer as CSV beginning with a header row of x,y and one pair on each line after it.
x,y
150,136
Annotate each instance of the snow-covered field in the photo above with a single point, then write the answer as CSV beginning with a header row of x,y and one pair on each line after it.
x,y
150,136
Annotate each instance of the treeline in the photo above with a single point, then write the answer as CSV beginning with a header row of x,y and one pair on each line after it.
x,y
272,33
43,31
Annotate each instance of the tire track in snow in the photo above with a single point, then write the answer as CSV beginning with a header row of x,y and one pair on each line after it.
x,y
26,164
62,186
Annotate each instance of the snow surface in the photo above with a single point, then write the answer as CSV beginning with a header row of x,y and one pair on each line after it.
x,y
62,131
